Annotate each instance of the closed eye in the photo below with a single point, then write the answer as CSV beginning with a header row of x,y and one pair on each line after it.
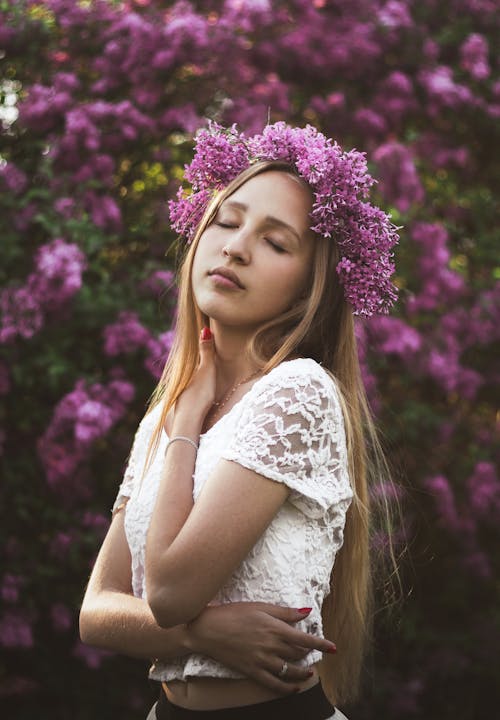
x,y
225,224
276,247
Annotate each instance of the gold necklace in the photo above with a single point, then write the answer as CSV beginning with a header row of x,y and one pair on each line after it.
x,y
217,406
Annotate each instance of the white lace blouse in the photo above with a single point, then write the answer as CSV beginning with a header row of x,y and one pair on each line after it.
x,y
289,428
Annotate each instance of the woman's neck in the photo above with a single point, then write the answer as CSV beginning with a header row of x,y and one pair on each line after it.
x,y
232,361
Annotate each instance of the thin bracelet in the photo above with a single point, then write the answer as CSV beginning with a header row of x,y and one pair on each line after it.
x,y
181,437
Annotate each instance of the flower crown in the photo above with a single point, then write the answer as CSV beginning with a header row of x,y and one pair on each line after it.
x,y
340,184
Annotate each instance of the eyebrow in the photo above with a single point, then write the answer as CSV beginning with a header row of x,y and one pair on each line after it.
x,y
270,219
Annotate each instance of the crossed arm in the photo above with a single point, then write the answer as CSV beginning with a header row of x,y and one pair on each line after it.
x,y
251,638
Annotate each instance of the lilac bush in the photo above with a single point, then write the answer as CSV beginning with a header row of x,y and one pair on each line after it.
x,y
99,102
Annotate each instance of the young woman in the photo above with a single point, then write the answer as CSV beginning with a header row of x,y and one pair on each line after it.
x,y
240,531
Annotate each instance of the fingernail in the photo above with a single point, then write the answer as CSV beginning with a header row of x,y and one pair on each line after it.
x,y
310,673
206,334
332,649
304,611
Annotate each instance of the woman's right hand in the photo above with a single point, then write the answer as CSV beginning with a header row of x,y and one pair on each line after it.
x,y
255,639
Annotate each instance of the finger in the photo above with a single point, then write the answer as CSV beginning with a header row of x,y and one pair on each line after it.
x,y
294,673
293,653
269,680
206,337
207,347
287,614
312,642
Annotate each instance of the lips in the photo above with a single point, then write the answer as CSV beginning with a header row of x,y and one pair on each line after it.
x,y
227,273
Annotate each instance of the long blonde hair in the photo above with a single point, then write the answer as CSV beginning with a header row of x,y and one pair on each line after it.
x,y
320,326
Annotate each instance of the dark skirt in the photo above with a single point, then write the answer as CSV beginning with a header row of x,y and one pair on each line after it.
x,y
311,704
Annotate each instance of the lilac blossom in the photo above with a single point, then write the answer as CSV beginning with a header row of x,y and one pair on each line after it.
x,y
392,335
21,314
91,656
474,56
395,14
61,617
340,184
444,499
439,283
58,275
484,491
399,181
126,335
12,178
10,587
15,630
158,351
159,281
443,90
80,418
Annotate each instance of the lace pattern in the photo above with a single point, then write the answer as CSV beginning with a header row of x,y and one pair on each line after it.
x,y
289,428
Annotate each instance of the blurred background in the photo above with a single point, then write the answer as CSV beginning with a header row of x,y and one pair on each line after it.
x,y
98,104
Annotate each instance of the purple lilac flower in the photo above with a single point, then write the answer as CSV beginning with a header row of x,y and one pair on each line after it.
x,y
92,657
478,563
126,335
11,584
158,352
399,181
158,281
439,283
61,617
442,89
394,15
340,184
12,178
79,419
15,630
484,490
370,122
24,216
392,335
65,206
93,421
440,489
21,314
58,275
60,544
474,56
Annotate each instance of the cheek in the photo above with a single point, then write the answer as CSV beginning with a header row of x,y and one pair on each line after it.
x,y
284,286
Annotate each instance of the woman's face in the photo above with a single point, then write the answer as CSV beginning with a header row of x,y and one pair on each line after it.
x,y
261,237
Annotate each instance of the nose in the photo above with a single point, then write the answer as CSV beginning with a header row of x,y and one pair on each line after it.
x,y
238,247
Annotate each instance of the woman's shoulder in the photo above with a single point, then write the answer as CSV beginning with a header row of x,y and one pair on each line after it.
x,y
299,371
299,379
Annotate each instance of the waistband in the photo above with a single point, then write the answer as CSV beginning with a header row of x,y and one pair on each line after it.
x,y
311,704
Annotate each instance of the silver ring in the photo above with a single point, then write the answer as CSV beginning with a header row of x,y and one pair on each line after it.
x,y
283,670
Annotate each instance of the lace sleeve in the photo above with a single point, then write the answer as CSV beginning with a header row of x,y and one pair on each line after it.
x,y
130,474
293,432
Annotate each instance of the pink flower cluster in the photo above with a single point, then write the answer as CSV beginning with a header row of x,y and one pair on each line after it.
x,y
127,335
462,518
81,418
340,183
56,279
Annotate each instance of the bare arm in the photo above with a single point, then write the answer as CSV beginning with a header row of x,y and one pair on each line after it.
x,y
112,618
252,638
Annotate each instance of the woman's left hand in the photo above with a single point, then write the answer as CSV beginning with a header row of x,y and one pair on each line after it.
x,y
255,639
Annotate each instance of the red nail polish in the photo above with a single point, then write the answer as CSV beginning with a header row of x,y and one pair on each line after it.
x,y
206,334
304,611
332,649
